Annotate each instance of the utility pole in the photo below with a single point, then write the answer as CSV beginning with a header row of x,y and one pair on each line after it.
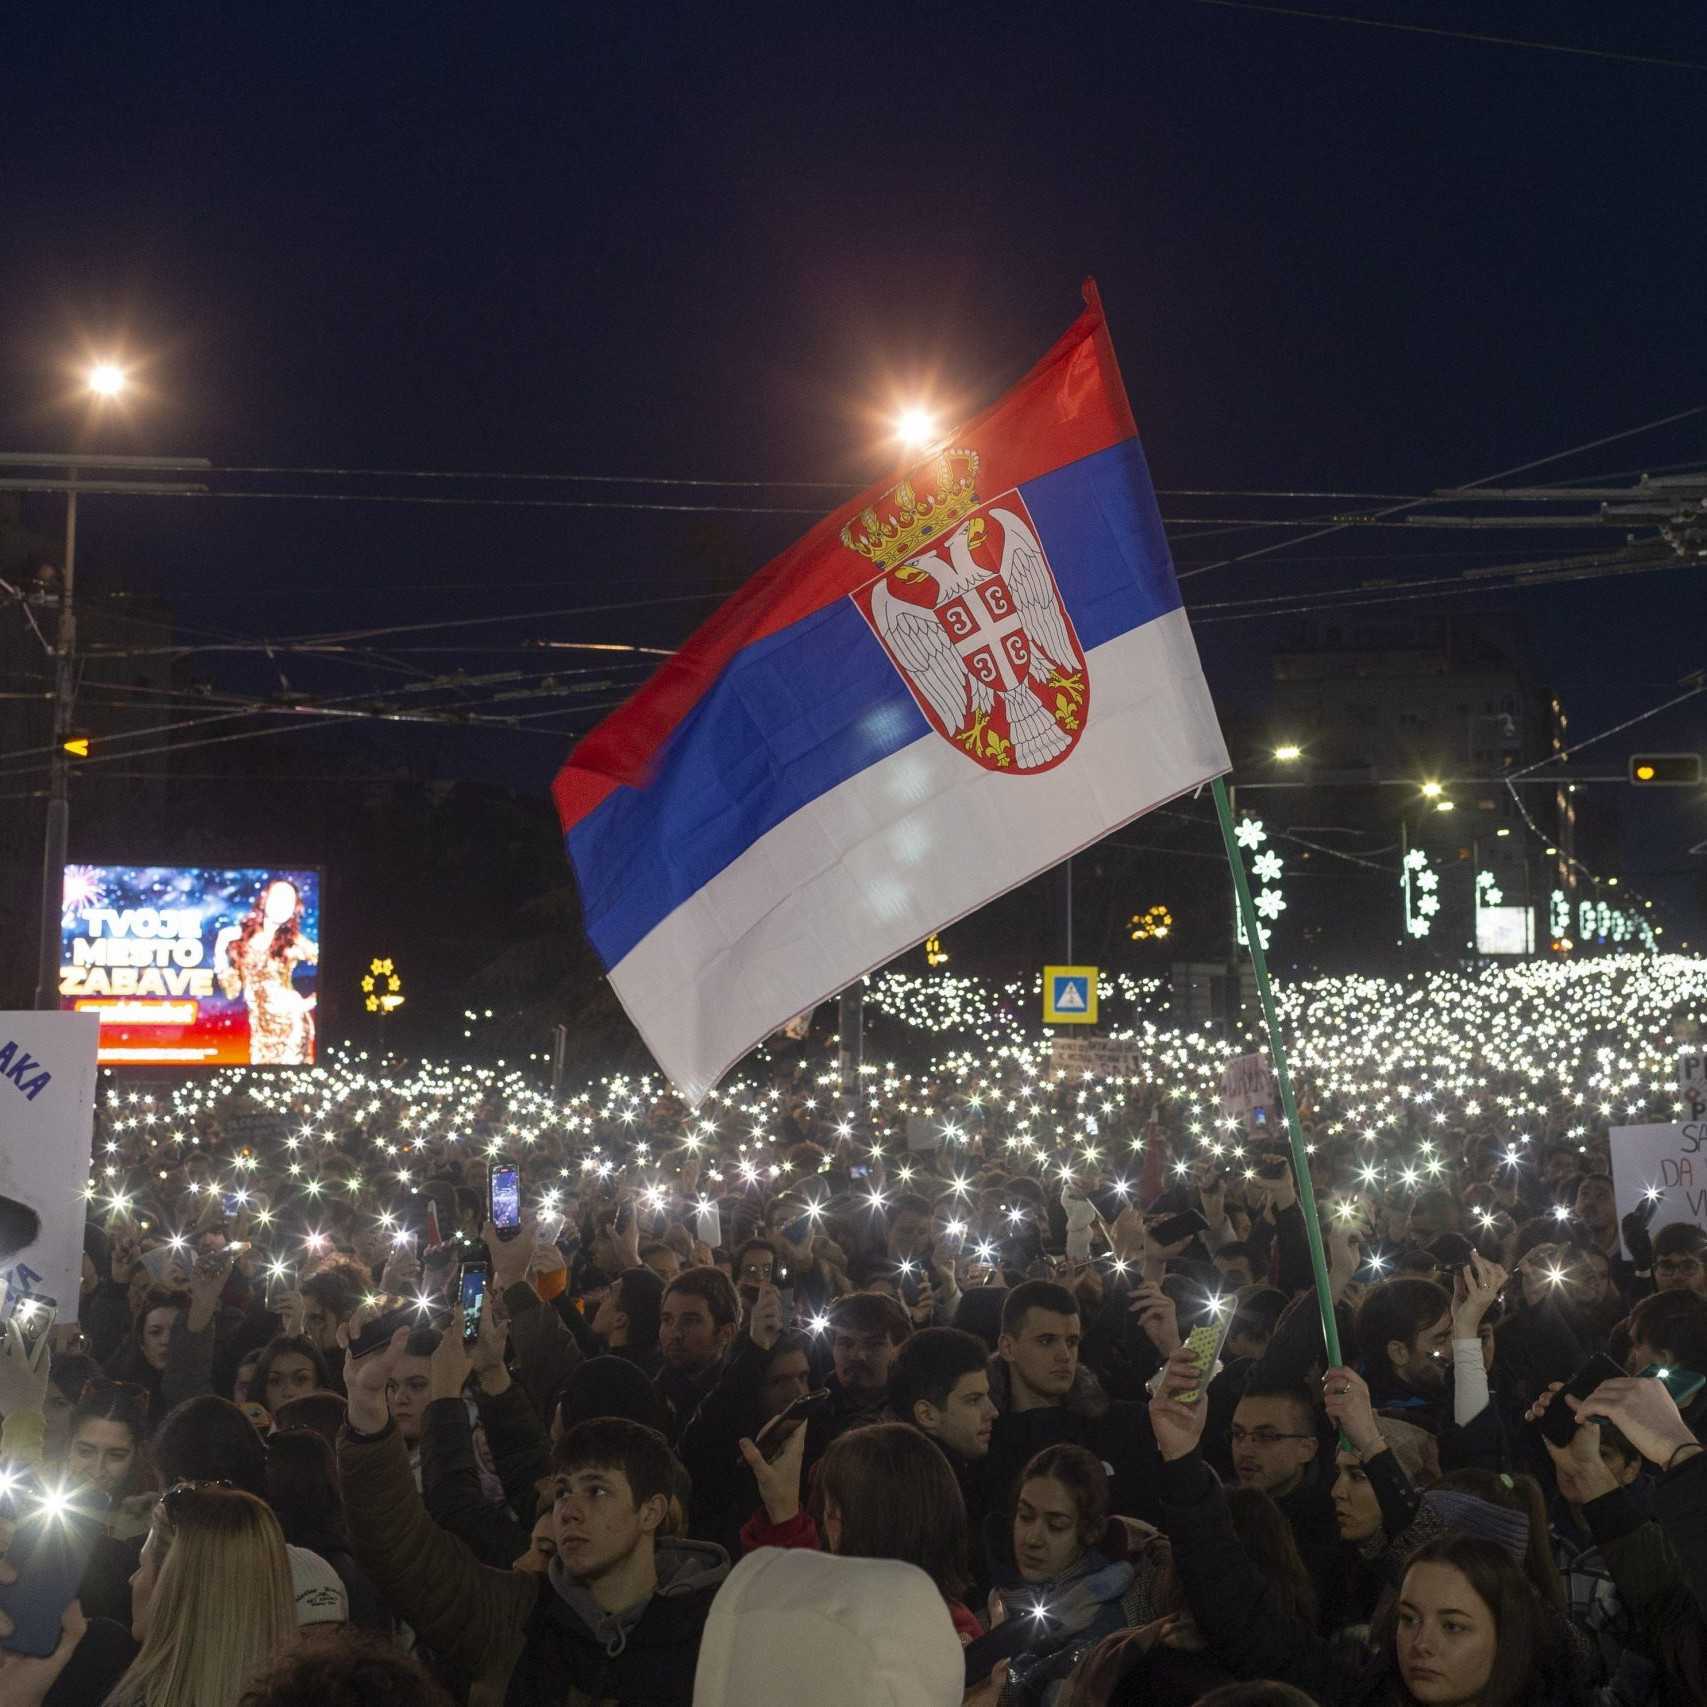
x,y
57,830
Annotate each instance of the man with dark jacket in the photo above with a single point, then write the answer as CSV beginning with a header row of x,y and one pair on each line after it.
x,y
696,1326
1044,1398
617,1617
940,1384
1277,1441
867,1330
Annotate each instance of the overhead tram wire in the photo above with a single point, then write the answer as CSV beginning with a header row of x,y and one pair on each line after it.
x,y
1650,61
1467,486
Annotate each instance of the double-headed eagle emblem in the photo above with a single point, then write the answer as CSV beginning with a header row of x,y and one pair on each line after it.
x,y
968,611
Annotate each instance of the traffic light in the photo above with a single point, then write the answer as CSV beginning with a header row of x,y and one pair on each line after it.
x,y
1665,770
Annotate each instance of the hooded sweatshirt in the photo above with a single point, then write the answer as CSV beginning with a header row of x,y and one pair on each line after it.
x,y
796,1626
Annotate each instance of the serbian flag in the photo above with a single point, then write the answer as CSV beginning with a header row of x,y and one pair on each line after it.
x,y
949,685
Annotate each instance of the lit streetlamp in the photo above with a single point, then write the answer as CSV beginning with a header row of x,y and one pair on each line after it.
x,y
916,428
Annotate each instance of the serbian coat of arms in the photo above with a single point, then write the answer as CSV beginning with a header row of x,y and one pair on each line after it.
x,y
967,608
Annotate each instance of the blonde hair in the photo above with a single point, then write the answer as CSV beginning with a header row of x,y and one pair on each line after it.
x,y
223,1605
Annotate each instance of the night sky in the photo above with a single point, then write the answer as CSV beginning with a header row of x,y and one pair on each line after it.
x,y
722,243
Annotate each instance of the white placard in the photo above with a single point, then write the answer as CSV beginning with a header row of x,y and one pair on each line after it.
x,y
1106,1056
1672,1158
47,1109
1246,1083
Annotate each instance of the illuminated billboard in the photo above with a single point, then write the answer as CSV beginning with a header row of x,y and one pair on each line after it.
x,y
190,966
1505,930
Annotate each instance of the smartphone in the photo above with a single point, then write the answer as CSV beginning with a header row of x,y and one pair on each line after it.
x,y
435,1236
279,1282
1205,1343
1682,1384
35,1313
471,1283
1272,1167
1648,1208
394,1313
625,1216
1177,1227
1259,1115
1558,1422
230,1205
53,1537
773,1437
860,1170
504,1198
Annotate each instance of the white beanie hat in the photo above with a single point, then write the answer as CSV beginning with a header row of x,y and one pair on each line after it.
x,y
319,1590
795,1625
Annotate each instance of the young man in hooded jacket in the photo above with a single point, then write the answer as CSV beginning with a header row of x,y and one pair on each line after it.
x,y
616,1618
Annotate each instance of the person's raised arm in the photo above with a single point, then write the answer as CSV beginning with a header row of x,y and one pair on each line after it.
x,y
450,1471
1234,1603
23,1396
546,1352
1345,1397
468,1611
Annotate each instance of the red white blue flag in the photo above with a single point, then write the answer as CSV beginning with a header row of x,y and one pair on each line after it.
x,y
949,685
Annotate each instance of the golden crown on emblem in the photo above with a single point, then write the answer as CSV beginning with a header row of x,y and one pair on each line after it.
x,y
909,521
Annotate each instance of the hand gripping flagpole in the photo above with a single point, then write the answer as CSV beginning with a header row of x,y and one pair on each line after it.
x,y
1277,1053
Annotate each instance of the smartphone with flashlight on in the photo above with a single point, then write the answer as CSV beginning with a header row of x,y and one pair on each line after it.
x,y
35,1314
471,1283
53,1534
504,1198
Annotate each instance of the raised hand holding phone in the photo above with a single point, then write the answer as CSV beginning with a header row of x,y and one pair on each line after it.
x,y
779,1478
368,1374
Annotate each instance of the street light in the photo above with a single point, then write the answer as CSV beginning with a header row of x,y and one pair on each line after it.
x,y
1431,791
1288,753
915,428
107,379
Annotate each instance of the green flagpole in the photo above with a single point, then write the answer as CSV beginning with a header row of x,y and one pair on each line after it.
x,y
1277,1053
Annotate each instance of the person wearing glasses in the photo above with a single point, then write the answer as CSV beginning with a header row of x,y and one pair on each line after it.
x,y
1276,1440
1680,1258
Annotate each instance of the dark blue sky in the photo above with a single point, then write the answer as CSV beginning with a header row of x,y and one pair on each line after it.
x,y
714,242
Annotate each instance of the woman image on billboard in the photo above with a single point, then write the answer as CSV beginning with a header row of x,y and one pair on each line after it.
x,y
257,959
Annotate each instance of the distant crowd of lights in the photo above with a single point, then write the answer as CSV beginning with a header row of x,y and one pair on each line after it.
x,y
1532,1051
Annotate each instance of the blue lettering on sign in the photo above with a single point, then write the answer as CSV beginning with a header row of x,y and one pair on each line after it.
x,y
16,1062
21,1281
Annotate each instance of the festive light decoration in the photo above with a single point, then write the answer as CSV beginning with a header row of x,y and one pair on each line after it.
x,y
382,987
1266,868
1420,884
935,953
1151,925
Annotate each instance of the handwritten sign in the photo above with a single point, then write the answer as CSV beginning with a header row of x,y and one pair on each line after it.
x,y
1671,1159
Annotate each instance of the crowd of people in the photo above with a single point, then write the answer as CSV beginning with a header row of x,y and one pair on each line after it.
x,y
974,1379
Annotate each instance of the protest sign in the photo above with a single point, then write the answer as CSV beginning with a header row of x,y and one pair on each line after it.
x,y
1246,1083
1107,1057
47,1106
1670,1158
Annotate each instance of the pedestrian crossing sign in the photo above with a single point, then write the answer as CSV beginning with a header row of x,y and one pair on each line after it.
x,y
1069,995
